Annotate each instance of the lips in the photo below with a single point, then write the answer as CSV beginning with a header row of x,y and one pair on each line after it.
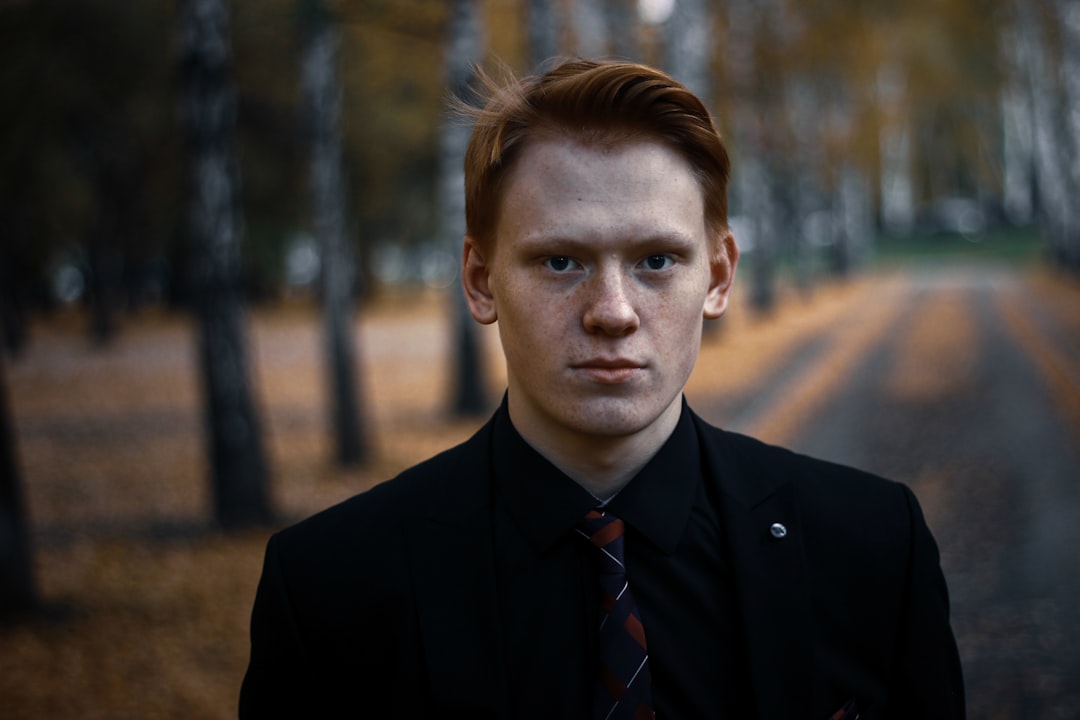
x,y
609,371
608,364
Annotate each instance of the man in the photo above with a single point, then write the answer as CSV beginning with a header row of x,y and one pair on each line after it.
x,y
596,550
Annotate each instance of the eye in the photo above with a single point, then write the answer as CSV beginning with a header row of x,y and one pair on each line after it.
x,y
559,263
658,262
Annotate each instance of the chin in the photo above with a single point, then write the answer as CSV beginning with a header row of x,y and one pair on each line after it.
x,y
613,418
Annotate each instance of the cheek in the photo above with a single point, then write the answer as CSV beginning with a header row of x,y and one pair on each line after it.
x,y
680,326
679,312
529,333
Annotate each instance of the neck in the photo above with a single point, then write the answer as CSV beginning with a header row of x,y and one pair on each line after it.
x,y
602,464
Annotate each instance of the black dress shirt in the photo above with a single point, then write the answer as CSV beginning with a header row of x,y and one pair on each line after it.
x,y
677,566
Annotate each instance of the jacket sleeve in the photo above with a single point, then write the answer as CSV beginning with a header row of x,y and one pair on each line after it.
x,y
278,681
928,682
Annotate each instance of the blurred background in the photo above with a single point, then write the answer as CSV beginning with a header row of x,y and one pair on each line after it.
x,y
228,245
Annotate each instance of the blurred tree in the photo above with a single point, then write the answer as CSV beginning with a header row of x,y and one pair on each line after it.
x,y
605,28
14,300
688,46
1068,15
897,184
590,28
753,128
270,140
464,50
952,95
392,59
322,97
542,20
239,471
624,28
85,143
811,219
391,56
18,262
1044,44
1018,141
89,157
18,590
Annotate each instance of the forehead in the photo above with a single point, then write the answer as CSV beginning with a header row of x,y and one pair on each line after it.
x,y
635,188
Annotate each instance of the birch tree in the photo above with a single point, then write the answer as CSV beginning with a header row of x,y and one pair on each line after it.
x,y
793,141
688,45
238,467
463,51
1018,152
621,18
18,588
590,28
810,205
852,201
542,19
322,92
1040,69
897,185
753,182
1068,16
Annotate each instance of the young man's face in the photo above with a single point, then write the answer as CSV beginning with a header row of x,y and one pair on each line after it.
x,y
600,274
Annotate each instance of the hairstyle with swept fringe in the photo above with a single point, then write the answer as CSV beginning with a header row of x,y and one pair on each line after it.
x,y
596,103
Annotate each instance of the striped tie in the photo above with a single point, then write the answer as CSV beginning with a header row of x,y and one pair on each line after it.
x,y
622,690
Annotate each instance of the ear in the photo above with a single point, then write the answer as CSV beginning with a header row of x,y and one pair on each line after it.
x,y
723,259
475,277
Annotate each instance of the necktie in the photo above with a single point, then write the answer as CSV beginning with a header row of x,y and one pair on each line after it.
x,y
622,689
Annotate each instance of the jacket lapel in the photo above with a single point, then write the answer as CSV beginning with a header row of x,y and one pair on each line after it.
x,y
451,555
771,583
765,539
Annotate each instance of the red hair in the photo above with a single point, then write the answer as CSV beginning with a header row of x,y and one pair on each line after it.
x,y
593,102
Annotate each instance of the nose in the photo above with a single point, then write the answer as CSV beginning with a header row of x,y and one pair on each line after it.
x,y
609,307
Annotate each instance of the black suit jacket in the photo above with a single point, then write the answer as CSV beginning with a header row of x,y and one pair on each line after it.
x,y
385,605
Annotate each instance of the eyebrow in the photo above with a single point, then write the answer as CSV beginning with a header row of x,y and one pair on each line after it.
x,y
559,244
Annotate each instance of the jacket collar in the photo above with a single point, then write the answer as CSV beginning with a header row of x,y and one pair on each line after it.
x,y
545,504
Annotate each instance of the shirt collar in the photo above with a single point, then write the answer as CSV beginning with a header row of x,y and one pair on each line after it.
x,y
545,503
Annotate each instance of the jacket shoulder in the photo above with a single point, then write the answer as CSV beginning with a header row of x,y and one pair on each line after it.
x,y
767,466
837,504
449,482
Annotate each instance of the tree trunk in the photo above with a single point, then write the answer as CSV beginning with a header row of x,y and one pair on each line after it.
x,y
810,217
623,28
894,143
1039,72
239,474
688,46
543,30
14,277
1018,155
1068,15
855,218
590,28
18,590
464,50
322,99
100,158
104,279
753,186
